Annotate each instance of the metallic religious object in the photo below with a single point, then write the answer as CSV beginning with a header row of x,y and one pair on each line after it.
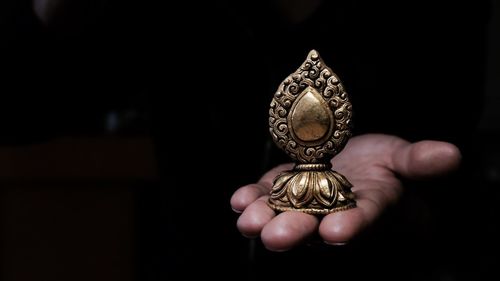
x,y
310,118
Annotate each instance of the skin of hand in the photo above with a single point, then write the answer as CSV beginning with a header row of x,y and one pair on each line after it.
x,y
66,14
372,163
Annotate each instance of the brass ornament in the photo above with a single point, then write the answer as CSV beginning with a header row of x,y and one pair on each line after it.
x,y
310,119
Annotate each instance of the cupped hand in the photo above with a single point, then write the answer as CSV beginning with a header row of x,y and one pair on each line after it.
x,y
372,163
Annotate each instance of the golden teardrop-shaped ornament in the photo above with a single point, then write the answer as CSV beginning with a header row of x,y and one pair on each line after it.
x,y
310,119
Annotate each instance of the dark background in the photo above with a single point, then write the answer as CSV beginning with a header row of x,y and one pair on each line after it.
x,y
125,128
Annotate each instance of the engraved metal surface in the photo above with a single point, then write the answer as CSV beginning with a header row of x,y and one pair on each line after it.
x,y
310,118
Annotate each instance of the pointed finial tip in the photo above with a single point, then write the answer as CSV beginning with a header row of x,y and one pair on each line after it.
x,y
313,54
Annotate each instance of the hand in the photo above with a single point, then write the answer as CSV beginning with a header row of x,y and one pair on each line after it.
x,y
371,163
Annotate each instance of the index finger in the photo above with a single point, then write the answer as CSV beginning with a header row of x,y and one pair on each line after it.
x,y
247,194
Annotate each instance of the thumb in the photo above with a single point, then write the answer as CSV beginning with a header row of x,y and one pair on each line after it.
x,y
425,159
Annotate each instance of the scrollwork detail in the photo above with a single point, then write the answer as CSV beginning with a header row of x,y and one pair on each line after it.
x,y
314,73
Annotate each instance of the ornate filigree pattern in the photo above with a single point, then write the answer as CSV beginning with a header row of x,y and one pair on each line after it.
x,y
310,118
312,73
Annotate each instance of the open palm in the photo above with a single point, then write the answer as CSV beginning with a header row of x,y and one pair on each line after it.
x,y
372,163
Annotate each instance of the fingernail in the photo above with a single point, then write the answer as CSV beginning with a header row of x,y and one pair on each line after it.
x,y
277,250
237,211
249,236
336,243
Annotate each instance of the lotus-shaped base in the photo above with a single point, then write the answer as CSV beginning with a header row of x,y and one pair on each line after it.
x,y
313,189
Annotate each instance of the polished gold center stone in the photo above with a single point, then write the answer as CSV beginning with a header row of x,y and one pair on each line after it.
x,y
310,118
